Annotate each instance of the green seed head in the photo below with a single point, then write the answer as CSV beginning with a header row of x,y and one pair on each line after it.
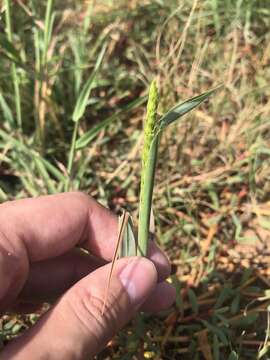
x,y
150,121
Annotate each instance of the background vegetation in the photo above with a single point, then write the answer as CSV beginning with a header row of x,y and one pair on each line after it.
x,y
211,201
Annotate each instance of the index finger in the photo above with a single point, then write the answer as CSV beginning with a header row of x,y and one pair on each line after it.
x,y
51,225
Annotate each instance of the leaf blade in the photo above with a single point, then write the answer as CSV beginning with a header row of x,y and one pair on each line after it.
x,y
82,100
128,244
181,109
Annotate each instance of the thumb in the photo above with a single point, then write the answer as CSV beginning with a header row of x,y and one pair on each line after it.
x,y
75,328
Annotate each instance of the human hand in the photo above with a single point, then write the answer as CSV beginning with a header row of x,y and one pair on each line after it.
x,y
40,259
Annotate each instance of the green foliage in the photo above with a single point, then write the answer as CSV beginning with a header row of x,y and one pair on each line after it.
x,y
179,110
83,97
87,137
128,243
212,179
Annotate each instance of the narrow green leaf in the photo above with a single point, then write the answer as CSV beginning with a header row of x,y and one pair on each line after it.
x,y
226,293
216,354
128,245
193,301
44,174
245,320
86,138
219,331
6,110
181,109
20,147
235,305
47,29
9,48
15,78
85,92
53,170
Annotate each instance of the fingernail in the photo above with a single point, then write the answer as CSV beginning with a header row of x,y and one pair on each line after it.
x,y
139,278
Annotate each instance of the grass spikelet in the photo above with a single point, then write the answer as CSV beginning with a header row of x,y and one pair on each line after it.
x,y
149,155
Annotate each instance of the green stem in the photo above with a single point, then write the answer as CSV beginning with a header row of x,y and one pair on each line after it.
x,y
149,157
13,67
72,155
147,186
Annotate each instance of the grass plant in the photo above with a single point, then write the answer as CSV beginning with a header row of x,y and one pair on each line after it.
x,y
152,131
211,197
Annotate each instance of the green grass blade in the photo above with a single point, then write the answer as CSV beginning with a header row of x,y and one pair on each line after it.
x,y
179,110
7,113
11,52
84,94
86,138
44,175
193,301
80,109
53,170
88,17
128,245
14,75
20,147
47,29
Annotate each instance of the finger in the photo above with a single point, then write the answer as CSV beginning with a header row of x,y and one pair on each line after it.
x,y
48,279
49,226
38,229
158,257
76,328
162,298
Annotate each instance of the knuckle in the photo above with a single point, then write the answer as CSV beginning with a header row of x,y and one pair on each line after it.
x,y
81,196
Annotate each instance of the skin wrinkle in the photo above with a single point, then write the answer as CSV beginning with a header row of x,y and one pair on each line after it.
x,y
87,310
107,322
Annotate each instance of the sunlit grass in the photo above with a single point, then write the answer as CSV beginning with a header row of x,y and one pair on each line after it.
x,y
212,174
